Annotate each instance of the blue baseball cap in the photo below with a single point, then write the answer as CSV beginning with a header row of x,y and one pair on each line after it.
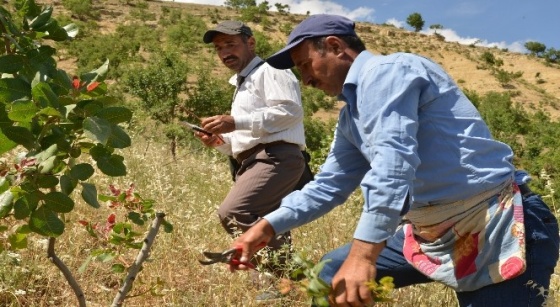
x,y
313,26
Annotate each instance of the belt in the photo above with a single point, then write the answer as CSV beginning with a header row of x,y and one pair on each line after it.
x,y
247,153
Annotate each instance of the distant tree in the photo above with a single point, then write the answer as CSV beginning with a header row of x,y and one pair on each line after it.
x,y
436,27
552,55
283,9
240,4
535,48
415,20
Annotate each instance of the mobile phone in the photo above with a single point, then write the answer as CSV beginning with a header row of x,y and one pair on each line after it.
x,y
196,128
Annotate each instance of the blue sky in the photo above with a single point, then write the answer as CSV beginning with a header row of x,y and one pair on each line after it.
x,y
502,23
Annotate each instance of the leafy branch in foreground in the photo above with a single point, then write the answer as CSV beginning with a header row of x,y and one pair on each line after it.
x,y
318,290
51,126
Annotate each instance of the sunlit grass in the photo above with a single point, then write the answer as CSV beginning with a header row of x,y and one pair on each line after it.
x,y
189,191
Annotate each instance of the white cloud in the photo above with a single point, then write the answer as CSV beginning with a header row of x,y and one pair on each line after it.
x,y
452,36
397,23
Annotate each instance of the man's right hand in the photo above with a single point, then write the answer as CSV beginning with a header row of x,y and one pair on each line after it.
x,y
349,283
210,141
251,241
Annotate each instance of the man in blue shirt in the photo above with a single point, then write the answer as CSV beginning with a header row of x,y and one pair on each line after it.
x,y
420,152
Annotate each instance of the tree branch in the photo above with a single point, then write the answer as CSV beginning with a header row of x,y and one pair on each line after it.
x,y
66,272
137,265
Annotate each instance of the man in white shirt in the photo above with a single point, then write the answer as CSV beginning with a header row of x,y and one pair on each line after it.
x,y
264,133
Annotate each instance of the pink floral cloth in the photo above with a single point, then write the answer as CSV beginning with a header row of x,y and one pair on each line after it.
x,y
471,244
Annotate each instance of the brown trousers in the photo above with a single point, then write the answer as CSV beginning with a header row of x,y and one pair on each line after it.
x,y
264,178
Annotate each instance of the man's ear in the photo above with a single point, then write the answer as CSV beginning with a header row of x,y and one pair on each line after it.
x,y
334,44
251,42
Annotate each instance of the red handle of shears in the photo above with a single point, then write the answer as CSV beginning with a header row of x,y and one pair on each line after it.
x,y
235,261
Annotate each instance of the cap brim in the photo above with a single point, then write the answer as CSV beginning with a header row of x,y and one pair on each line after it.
x,y
209,35
282,58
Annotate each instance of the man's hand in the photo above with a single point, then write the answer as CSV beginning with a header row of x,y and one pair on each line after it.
x,y
349,283
251,241
209,140
218,124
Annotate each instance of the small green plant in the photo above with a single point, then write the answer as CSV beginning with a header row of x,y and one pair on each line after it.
x,y
318,290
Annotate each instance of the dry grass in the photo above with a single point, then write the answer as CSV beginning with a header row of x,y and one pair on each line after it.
x,y
188,191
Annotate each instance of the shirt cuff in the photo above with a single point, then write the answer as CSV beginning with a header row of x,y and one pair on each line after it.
x,y
375,228
281,220
243,122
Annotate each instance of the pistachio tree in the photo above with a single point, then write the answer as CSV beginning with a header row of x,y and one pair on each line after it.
x,y
56,131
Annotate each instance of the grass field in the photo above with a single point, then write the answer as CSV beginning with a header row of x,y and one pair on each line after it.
x,y
188,191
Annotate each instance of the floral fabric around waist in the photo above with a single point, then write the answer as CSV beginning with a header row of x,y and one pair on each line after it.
x,y
486,245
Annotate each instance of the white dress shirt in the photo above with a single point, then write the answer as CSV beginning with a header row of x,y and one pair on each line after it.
x,y
266,108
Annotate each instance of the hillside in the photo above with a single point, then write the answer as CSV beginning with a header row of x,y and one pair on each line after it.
x,y
539,84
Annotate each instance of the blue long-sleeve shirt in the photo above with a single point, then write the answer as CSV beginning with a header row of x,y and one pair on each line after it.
x,y
409,137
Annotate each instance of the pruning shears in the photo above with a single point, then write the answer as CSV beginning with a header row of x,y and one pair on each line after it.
x,y
227,257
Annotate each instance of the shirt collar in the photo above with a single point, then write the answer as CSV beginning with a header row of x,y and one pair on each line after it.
x,y
247,70
353,73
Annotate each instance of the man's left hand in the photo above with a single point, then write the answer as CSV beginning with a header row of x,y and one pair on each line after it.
x,y
219,124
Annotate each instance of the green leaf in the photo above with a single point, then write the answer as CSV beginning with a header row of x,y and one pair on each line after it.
x,y
50,111
105,257
45,222
96,75
58,202
11,63
5,143
18,240
57,33
42,57
119,138
118,268
23,111
167,227
4,184
47,166
47,153
67,184
112,166
29,8
14,89
84,265
89,194
20,135
7,22
136,218
82,171
71,29
5,121
44,95
6,203
47,181
23,208
42,18
97,129
115,115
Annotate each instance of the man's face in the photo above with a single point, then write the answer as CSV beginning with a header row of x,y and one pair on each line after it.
x,y
233,51
322,70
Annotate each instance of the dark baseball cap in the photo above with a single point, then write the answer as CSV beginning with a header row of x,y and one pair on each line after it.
x,y
230,27
313,26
